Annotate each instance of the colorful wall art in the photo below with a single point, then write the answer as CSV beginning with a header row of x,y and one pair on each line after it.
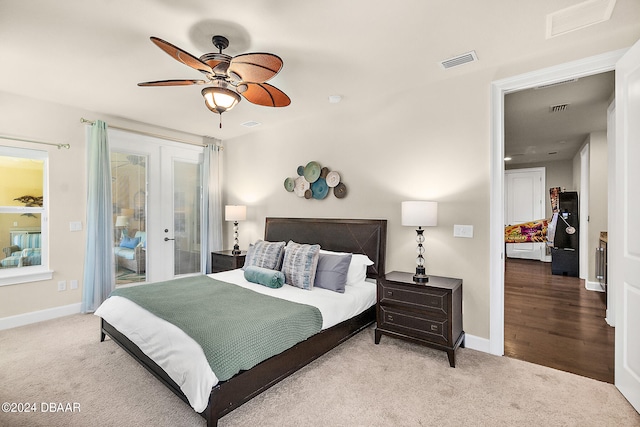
x,y
315,182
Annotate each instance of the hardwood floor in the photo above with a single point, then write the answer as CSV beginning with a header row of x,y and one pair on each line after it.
x,y
554,321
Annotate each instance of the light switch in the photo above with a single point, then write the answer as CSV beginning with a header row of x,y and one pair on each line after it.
x,y
75,226
463,231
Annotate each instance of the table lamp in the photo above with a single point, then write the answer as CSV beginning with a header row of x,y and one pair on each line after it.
x,y
420,214
235,213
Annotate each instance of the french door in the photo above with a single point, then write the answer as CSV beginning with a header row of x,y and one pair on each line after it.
x,y
157,207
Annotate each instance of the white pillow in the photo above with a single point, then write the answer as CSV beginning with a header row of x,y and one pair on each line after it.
x,y
357,268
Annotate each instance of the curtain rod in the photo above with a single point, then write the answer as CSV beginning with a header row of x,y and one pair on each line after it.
x,y
67,146
155,135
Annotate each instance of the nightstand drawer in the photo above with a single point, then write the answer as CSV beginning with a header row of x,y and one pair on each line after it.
x,y
414,324
415,297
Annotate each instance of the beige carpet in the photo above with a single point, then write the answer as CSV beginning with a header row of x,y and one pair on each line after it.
x,y
357,384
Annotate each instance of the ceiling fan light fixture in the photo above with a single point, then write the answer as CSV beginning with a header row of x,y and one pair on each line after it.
x,y
220,99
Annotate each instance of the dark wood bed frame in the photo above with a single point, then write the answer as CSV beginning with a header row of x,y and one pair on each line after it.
x,y
366,236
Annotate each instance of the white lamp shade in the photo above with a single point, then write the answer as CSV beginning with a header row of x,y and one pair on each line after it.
x,y
420,213
235,213
122,221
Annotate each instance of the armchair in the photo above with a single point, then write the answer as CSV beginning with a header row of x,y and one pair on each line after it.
x,y
131,253
25,250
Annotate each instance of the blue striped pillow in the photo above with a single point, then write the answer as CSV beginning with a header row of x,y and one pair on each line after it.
x,y
300,264
265,255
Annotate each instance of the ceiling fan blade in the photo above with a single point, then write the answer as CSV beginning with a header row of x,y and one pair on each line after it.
x,y
182,56
255,67
265,94
173,83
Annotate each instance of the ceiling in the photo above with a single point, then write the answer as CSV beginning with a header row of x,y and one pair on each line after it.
x,y
551,123
91,54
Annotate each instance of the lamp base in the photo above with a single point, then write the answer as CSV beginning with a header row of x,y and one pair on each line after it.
x,y
420,276
236,250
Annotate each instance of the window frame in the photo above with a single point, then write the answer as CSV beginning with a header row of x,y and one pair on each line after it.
x,y
13,276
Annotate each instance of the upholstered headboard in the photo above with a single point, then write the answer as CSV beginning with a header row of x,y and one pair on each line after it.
x,y
358,236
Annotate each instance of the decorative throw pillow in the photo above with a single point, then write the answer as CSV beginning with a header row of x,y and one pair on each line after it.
x,y
331,272
300,264
357,268
264,276
265,254
129,242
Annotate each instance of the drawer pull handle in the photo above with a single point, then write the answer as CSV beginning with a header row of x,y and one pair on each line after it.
x,y
390,293
434,327
389,318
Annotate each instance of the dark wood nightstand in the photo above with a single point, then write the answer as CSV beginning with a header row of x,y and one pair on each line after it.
x,y
225,260
427,313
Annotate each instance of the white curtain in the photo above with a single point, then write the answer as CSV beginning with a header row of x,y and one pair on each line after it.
x,y
212,201
99,277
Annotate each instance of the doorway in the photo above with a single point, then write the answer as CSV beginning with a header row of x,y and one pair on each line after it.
x,y
157,208
577,69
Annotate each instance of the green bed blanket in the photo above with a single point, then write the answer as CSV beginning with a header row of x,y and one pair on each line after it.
x,y
236,327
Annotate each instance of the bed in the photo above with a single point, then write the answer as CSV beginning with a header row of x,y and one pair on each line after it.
x,y
358,236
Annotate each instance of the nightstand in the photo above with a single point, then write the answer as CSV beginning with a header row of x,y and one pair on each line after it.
x,y
427,313
226,260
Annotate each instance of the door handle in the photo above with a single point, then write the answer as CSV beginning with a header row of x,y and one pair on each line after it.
x,y
166,239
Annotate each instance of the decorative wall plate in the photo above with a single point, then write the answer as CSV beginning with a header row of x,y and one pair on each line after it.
x,y
320,189
302,185
340,191
312,171
333,179
289,184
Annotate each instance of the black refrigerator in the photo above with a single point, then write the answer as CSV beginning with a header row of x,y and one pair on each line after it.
x,y
566,242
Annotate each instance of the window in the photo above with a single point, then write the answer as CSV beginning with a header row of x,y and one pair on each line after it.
x,y
23,216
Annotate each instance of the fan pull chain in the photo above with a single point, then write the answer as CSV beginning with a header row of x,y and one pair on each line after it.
x,y
220,121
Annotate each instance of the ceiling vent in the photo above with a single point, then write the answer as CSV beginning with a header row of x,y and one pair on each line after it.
x,y
465,58
251,124
558,108
563,82
579,16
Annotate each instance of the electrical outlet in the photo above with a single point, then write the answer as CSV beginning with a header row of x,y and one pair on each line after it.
x,y
463,231
62,285
73,284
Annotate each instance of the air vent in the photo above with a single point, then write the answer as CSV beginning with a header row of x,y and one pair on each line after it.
x,y
558,108
563,82
579,16
251,124
465,58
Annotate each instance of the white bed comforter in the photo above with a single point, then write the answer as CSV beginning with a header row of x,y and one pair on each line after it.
x,y
183,359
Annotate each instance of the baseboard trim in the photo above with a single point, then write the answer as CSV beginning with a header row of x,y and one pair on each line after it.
x,y
38,316
476,343
593,286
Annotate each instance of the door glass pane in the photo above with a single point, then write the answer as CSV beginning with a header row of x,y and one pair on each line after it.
x,y
129,182
187,207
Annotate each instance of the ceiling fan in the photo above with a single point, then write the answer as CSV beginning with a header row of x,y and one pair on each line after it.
x,y
228,77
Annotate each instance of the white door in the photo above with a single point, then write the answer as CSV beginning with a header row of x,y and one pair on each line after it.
x,y
157,195
625,263
524,200
181,208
